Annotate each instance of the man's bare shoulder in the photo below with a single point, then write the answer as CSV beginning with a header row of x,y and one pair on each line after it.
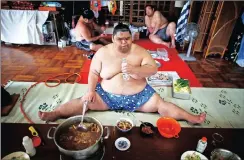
x,y
105,50
81,26
157,13
139,50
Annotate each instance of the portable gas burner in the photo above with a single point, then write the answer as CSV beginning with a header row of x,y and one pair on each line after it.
x,y
96,156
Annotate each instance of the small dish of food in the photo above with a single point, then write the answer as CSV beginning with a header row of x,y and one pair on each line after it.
x,y
122,144
17,156
124,124
159,77
193,155
147,129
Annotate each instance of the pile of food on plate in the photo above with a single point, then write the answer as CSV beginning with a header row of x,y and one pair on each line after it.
x,y
193,156
181,89
181,85
159,77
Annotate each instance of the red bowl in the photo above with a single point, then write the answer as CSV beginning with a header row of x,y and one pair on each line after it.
x,y
168,127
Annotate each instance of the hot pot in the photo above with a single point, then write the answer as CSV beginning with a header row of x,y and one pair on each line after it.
x,y
77,154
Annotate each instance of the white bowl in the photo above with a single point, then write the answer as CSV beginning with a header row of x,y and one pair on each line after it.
x,y
19,154
122,144
183,156
125,119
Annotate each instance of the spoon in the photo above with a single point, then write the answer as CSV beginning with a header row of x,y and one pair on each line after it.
x,y
143,123
81,126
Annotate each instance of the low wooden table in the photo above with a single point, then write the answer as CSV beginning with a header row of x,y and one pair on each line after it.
x,y
150,148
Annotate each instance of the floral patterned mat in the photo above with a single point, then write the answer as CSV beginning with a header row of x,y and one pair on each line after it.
x,y
224,106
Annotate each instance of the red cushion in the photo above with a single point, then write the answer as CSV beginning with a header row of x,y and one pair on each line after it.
x,y
175,64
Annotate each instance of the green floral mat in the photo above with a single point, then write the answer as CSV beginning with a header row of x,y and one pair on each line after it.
x,y
224,106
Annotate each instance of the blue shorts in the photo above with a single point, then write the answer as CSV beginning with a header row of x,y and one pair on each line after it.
x,y
125,102
83,44
162,34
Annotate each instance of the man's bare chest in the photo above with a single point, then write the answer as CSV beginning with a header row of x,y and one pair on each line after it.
x,y
112,66
152,22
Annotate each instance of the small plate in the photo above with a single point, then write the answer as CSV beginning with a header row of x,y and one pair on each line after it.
x,y
183,156
122,144
17,155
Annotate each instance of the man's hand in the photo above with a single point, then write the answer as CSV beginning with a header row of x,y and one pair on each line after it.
x,y
150,29
128,68
103,28
102,35
90,96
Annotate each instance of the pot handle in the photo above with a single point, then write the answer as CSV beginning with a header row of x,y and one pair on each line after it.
x,y
48,133
108,133
176,136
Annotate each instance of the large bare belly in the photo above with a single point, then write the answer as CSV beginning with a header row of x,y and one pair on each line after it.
x,y
163,25
117,85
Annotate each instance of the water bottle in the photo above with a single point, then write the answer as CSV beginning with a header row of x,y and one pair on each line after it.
x,y
125,75
202,144
107,23
29,147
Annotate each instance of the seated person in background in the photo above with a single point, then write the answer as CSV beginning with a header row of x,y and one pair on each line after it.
x,y
161,31
116,93
85,32
7,101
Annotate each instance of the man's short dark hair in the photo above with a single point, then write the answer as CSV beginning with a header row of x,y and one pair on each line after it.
x,y
121,28
151,6
88,14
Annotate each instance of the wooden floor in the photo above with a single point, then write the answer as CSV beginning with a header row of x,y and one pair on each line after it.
x,y
36,63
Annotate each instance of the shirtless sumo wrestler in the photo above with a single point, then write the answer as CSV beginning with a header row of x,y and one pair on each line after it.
x,y
161,31
85,32
115,93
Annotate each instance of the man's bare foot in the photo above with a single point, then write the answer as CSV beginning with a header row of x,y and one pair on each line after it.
x,y
172,45
198,119
48,116
166,44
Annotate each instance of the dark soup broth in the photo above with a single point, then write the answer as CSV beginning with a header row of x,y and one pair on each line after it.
x,y
74,139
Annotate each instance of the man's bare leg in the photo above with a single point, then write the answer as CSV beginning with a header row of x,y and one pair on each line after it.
x,y
170,31
156,39
95,47
166,109
72,108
